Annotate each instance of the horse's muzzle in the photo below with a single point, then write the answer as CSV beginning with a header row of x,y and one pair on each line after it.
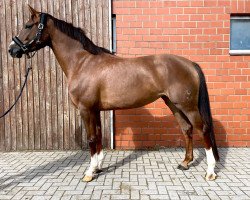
x,y
16,52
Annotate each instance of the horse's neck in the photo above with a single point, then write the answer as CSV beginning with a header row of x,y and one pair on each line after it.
x,y
65,49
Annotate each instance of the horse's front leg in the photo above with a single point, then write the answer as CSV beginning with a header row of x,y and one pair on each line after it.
x,y
90,119
99,150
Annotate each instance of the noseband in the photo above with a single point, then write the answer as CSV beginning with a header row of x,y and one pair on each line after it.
x,y
27,47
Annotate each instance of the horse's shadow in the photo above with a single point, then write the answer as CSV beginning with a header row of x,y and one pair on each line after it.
x,y
199,154
76,159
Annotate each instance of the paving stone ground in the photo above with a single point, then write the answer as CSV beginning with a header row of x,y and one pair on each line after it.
x,y
127,175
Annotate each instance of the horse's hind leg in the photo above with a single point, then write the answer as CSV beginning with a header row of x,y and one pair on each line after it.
x,y
203,132
187,130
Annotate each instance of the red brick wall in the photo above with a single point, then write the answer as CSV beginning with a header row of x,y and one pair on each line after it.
x,y
198,30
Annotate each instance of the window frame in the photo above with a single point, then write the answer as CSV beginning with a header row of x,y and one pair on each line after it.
x,y
237,52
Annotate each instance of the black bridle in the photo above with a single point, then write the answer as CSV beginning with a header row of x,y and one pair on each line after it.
x,y
27,47
26,50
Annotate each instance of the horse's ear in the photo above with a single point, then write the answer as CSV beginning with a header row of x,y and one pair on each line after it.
x,y
33,11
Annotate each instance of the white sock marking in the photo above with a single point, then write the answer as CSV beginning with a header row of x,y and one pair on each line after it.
x,y
93,165
210,161
100,157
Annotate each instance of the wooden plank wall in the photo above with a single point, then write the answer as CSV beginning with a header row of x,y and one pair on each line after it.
x,y
45,118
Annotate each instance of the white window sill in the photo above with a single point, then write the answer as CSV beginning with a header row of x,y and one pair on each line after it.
x,y
239,52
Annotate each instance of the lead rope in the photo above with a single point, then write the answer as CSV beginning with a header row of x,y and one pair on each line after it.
x,y
21,91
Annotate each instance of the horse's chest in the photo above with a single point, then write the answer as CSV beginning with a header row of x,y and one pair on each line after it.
x,y
82,93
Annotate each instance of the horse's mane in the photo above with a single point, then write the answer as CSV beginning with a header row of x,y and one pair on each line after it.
x,y
78,34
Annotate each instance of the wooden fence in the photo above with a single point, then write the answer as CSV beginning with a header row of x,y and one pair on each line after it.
x,y
45,118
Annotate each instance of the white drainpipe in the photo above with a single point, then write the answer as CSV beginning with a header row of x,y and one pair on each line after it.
x,y
110,47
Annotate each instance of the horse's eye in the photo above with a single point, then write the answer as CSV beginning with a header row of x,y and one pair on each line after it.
x,y
28,26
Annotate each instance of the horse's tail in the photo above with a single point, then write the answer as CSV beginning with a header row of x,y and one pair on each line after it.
x,y
205,111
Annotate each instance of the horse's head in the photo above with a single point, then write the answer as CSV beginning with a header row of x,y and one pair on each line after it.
x,y
32,37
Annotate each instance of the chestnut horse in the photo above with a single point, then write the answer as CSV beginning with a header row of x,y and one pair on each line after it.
x,y
98,80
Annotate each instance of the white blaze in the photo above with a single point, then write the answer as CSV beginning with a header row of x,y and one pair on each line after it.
x,y
12,43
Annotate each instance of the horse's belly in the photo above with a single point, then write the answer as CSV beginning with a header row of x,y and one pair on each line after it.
x,y
130,89
131,99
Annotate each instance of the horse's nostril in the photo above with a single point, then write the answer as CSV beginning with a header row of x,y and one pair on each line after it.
x,y
16,51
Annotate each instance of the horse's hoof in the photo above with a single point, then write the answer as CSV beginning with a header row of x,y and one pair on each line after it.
x,y
87,178
181,167
211,177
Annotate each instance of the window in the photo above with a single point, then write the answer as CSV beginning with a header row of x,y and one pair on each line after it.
x,y
114,33
239,35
